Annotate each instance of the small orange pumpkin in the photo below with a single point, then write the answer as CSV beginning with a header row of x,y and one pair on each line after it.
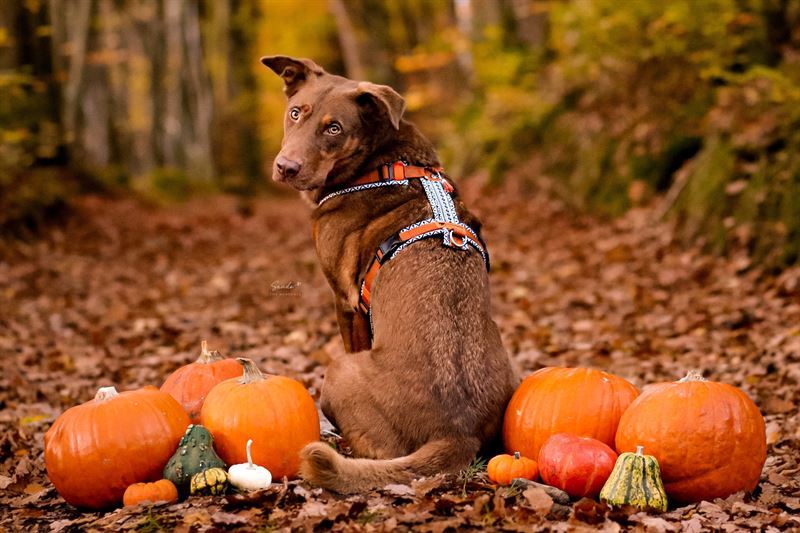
x,y
95,450
709,438
275,411
162,490
502,469
580,401
190,384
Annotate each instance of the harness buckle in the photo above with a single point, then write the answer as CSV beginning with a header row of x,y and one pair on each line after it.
x,y
462,243
389,172
436,175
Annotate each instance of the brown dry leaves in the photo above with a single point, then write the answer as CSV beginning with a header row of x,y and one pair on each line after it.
x,y
122,294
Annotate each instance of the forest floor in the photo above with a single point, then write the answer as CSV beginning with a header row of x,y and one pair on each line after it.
x,y
122,293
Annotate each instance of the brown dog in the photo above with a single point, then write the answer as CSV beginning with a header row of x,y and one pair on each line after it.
x,y
424,391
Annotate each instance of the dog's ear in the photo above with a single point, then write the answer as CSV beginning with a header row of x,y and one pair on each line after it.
x,y
294,71
386,99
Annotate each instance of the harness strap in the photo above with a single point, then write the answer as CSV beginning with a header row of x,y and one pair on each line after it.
x,y
444,221
397,173
455,235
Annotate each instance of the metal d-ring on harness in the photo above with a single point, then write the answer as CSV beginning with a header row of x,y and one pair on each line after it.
x,y
444,220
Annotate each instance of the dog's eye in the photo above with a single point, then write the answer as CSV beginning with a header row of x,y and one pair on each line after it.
x,y
333,129
294,114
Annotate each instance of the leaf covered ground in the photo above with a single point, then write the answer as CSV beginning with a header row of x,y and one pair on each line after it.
x,y
122,294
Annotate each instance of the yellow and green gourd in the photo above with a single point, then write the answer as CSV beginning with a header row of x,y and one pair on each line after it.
x,y
635,481
211,481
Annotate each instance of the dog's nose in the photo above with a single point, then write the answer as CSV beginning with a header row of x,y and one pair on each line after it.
x,y
287,167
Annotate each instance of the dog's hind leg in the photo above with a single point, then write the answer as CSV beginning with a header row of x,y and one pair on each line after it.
x,y
348,402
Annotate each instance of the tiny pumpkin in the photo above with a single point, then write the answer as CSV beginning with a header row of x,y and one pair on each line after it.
x,y
195,453
162,490
503,469
275,411
581,401
249,476
209,482
96,450
190,384
577,465
709,438
635,481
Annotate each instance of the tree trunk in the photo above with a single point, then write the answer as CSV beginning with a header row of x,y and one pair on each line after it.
x,y
347,40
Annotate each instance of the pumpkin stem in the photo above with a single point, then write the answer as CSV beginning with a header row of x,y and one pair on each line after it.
x,y
692,375
206,356
516,456
249,457
639,450
251,372
105,393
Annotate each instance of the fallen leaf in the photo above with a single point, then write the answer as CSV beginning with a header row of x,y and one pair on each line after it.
x,y
196,517
423,486
33,488
399,490
655,524
228,519
538,500
590,511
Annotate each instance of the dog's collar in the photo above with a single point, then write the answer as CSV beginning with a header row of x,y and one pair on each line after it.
x,y
397,173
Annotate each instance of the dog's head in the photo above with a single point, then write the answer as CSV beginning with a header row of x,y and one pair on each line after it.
x,y
332,124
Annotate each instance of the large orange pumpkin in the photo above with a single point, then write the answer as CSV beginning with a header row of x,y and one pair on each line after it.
x,y
275,411
95,450
190,383
581,401
709,438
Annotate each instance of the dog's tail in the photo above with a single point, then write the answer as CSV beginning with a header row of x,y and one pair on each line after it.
x,y
323,466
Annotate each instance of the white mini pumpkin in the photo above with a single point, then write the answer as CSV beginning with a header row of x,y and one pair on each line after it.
x,y
247,476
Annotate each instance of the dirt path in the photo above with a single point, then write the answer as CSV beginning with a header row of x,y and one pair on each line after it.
x,y
122,294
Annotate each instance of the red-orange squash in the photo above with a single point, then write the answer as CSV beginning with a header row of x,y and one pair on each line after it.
x,y
275,411
581,401
709,438
503,469
579,466
96,450
162,490
190,384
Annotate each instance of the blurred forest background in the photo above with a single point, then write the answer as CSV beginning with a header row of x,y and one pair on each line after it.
x,y
689,106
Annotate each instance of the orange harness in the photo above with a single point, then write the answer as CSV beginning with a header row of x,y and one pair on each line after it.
x,y
444,222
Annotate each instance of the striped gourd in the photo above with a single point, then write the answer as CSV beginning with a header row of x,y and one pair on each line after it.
x,y
635,481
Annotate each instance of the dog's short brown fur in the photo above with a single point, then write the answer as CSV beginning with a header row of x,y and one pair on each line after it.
x,y
431,388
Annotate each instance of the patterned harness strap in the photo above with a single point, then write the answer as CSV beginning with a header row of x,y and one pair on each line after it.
x,y
444,222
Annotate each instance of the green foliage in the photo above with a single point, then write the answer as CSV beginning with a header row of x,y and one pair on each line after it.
x,y
28,195
624,97
744,186
473,470
618,102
